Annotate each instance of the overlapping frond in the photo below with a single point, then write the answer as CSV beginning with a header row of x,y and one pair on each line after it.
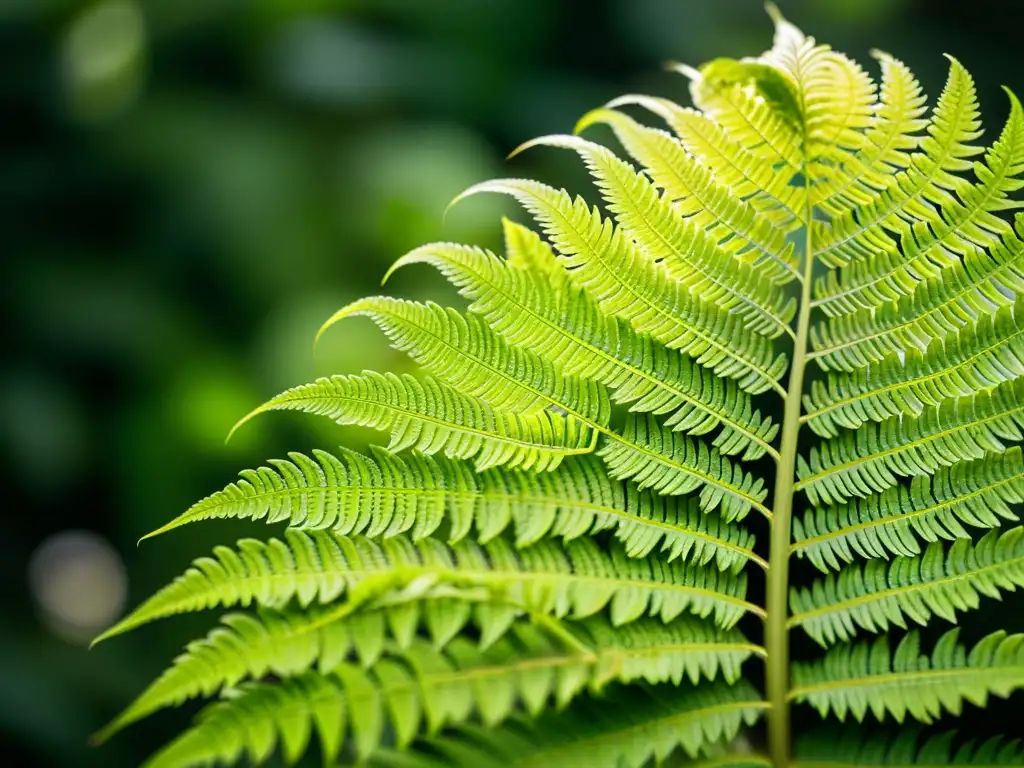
x,y
687,250
626,282
546,566
988,351
867,677
691,192
577,578
653,456
978,285
976,493
432,417
905,749
930,180
872,458
730,164
756,106
891,133
564,325
384,495
626,729
834,100
880,594
525,660
935,238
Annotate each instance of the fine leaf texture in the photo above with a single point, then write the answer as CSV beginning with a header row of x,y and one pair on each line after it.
x,y
853,680
794,308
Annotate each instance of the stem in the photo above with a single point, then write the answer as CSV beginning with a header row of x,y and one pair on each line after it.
x,y
776,633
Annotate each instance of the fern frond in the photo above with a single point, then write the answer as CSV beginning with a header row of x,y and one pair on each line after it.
x,y
566,326
872,458
858,678
525,250
624,729
938,583
976,493
290,644
431,417
891,134
835,100
384,495
577,578
979,285
691,192
688,252
730,164
938,240
734,95
984,353
910,195
655,457
849,747
627,283
464,353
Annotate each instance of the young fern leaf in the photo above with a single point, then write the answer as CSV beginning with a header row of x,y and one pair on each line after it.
x,y
866,677
694,224
627,283
954,228
891,133
939,583
730,164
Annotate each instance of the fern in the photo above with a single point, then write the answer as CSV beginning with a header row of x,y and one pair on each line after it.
x,y
549,563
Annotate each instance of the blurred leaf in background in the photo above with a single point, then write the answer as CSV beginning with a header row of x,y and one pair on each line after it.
x,y
189,188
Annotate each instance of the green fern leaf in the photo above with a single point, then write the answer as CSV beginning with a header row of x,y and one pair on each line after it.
x,y
855,679
937,583
731,165
939,306
711,216
625,282
431,417
954,229
425,691
977,493
290,644
689,255
384,495
983,354
872,458
564,325
891,133
954,125
578,578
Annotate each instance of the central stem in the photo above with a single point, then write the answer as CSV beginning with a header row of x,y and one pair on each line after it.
x,y
776,634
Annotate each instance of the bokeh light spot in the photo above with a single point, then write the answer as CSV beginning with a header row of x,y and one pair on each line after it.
x,y
79,584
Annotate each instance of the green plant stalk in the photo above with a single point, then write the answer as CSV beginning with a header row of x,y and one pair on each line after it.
x,y
776,629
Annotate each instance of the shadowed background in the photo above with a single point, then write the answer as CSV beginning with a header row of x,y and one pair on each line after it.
x,y
188,188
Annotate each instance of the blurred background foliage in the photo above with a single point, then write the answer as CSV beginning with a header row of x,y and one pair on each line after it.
x,y
189,187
